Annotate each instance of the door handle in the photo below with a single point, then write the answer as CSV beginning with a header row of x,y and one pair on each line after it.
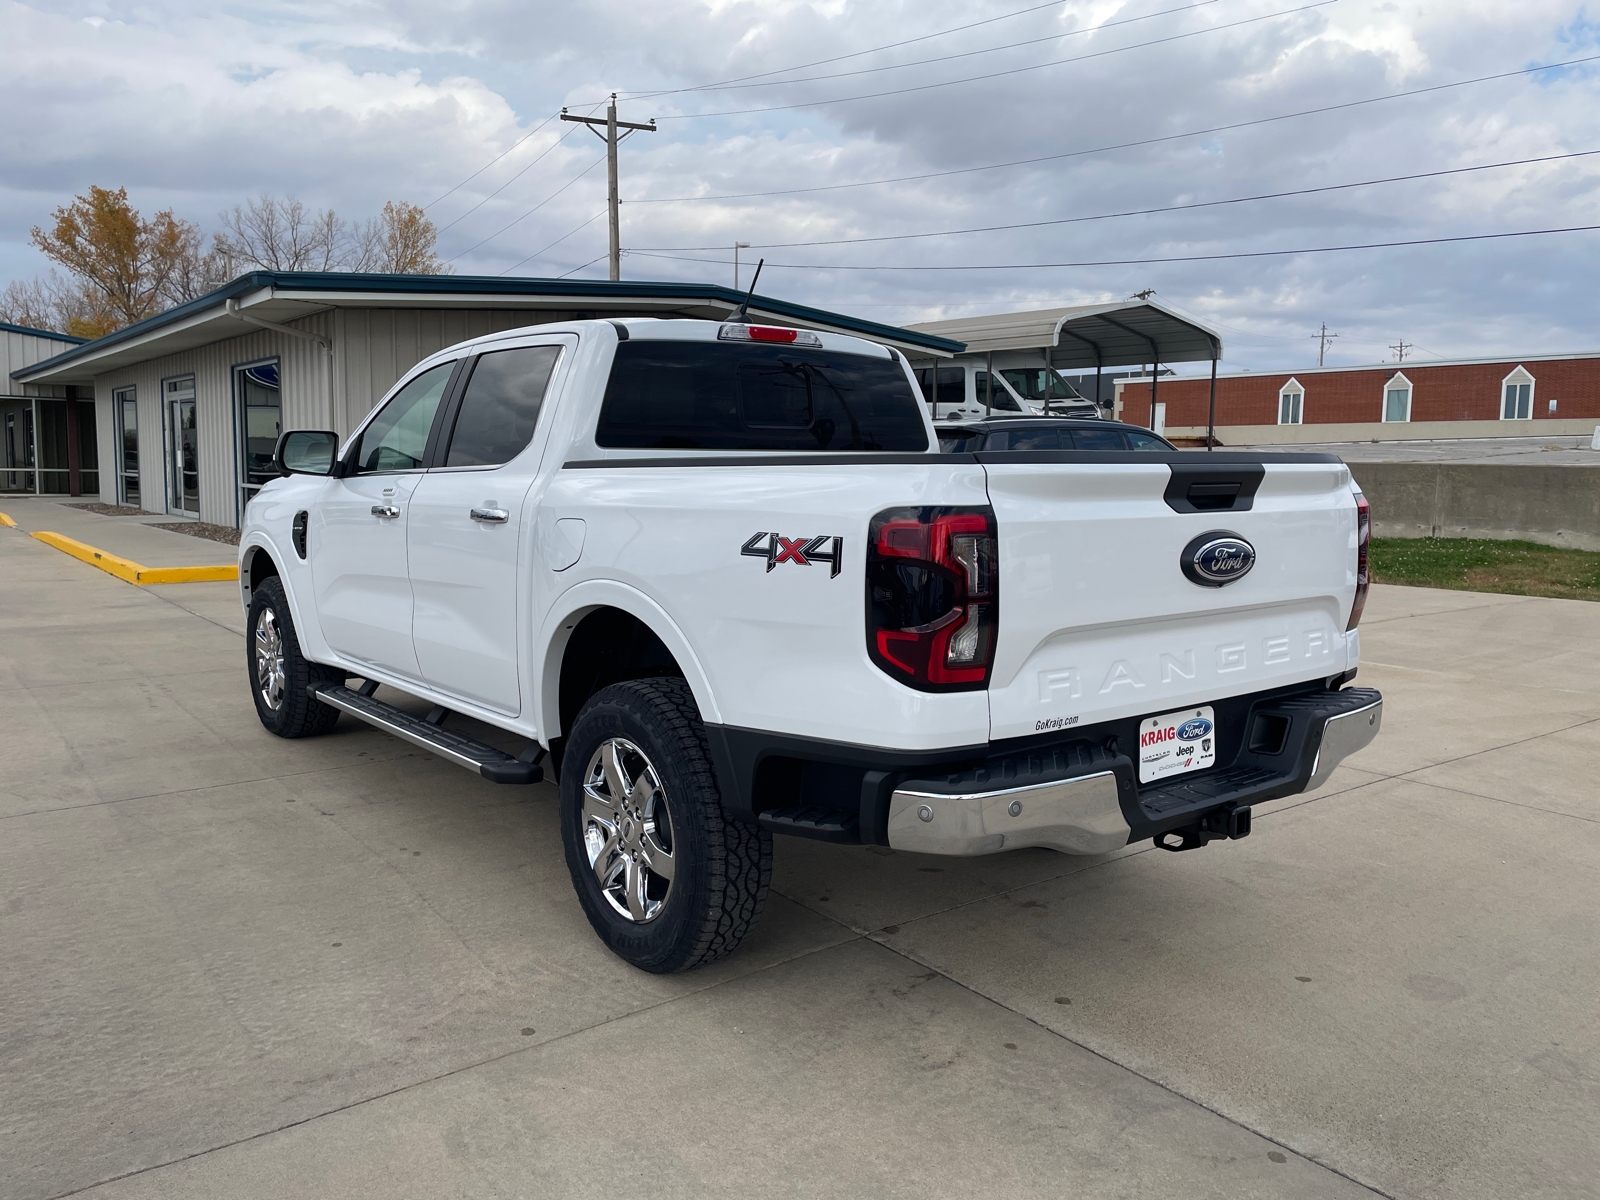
x,y
385,510
494,516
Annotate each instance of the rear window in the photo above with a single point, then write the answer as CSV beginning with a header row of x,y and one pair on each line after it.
x,y
720,396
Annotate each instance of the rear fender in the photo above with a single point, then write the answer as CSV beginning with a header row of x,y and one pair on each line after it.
x,y
578,602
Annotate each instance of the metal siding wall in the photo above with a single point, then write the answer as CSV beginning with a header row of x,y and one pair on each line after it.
x,y
105,431
376,346
302,377
18,350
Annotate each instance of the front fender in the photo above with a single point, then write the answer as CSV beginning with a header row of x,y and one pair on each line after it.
x,y
578,602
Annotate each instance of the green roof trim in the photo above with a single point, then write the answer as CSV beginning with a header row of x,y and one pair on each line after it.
x,y
7,327
479,285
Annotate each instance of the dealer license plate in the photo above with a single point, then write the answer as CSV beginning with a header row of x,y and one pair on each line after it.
x,y
1177,743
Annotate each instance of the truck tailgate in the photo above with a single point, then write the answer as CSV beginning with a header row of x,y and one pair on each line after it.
x,y
1098,621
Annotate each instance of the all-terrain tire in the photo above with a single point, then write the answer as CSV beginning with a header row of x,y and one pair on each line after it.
x,y
270,626
722,868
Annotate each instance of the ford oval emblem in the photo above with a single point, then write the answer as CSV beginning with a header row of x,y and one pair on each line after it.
x,y
1217,558
1193,729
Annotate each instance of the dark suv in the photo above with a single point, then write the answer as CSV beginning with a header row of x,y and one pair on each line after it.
x,y
1046,433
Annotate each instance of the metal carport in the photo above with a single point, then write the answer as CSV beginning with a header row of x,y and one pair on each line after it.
x,y
1092,336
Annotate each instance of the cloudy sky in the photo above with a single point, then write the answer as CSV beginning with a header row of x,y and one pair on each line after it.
x,y
835,122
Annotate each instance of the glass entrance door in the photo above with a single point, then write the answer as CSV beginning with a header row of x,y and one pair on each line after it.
x,y
185,476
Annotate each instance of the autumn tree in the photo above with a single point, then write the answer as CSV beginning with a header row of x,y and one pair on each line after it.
x,y
123,268
405,243
123,262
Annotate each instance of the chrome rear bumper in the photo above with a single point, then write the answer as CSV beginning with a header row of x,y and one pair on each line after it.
x,y
1087,813
1076,816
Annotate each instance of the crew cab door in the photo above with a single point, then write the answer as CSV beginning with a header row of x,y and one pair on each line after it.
x,y
469,528
358,568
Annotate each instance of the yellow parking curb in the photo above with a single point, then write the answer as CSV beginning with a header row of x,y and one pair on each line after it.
x,y
5,520
131,571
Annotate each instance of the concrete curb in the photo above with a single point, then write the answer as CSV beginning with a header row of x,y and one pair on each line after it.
x,y
132,572
7,521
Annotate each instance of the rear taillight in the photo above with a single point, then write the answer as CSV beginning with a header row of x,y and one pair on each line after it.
x,y
933,596
1363,574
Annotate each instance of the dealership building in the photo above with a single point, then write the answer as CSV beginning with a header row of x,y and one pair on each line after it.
x,y
1538,395
180,412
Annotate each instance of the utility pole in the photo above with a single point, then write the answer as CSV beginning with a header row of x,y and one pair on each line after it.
x,y
1323,338
1401,348
1144,295
737,246
610,138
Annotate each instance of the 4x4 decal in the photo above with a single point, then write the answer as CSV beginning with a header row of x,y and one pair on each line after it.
x,y
801,550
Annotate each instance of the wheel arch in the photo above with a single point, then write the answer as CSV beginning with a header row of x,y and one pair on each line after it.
x,y
572,628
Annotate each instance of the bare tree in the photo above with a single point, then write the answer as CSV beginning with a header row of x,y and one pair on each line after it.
x,y
61,305
283,235
198,272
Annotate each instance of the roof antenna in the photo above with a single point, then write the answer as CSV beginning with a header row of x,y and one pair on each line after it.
x,y
741,315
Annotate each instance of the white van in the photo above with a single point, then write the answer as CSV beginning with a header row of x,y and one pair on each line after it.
x,y
964,388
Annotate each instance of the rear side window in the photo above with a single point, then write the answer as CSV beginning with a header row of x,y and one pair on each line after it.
x,y
720,396
1033,439
501,406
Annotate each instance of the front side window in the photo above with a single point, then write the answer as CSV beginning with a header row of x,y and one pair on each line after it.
x,y
1516,396
1040,383
1003,400
1146,442
1289,403
397,438
720,396
501,406
1098,439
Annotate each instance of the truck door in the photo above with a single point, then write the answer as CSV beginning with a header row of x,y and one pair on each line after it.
x,y
358,566
468,527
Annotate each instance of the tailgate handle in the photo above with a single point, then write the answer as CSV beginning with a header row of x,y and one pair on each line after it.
x,y
1213,487
1213,497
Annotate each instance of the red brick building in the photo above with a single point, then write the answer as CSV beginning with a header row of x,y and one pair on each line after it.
x,y
1501,397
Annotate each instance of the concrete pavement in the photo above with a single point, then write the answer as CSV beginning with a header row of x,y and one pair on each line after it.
x,y
233,966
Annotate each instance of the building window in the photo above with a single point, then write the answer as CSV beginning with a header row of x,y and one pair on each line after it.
x,y
1397,399
125,409
1290,399
260,423
1516,396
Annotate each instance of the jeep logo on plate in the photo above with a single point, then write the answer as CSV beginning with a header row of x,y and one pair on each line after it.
x,y
1217,558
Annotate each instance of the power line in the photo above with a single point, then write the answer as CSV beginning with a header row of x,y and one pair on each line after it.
x,y
822,62
1144,212
590,263
532,210
1060,62
1171,137
510,181
494,160
1132,262
922,62
557,242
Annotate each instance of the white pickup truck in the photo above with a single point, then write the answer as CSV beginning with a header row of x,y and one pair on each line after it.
x,y
722,582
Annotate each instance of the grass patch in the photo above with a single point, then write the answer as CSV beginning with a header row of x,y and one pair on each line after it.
x,y
1481,565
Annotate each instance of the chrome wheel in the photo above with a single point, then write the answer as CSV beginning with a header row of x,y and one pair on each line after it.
x,y
627,830
269,659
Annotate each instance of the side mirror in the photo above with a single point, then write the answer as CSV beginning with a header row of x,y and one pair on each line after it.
x,y
306,452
